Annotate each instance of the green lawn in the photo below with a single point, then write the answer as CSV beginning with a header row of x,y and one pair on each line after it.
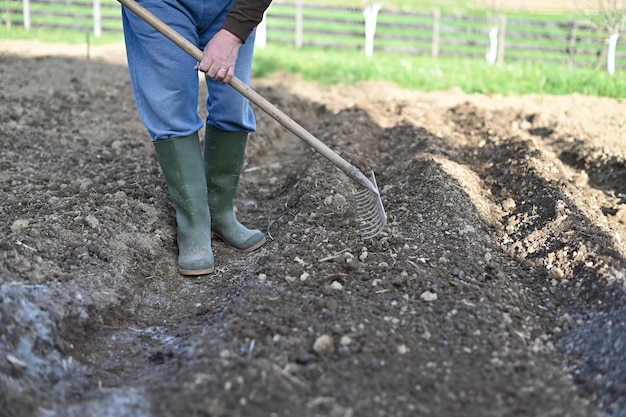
x,y
428,74
60,36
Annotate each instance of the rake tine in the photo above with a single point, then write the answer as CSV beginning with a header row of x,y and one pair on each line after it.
x,y
370,211
371,226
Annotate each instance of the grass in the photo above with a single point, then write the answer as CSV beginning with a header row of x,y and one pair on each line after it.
x,y
428,74
60,36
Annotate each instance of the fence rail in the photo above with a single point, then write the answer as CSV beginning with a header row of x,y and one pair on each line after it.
x,y
495,38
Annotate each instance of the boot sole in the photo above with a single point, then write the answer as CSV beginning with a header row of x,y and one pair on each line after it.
x,y
252,248
195,272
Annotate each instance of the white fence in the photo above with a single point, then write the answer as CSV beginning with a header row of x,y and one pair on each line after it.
x,y
372,30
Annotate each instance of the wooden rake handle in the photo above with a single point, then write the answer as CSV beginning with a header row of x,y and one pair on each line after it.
x,y
254,97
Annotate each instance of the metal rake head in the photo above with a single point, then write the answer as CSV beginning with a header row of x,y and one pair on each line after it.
x,y
370,211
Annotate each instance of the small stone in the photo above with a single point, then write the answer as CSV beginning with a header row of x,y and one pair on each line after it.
x,y
336,285
497,362
428,296
324,345
459,273
92,222
403,350
335,201
508,204
304,276
557,273
345,340
19,225
291,368
340,411
581,179
261,277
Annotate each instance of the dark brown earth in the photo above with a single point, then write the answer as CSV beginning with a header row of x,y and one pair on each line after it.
x,y
497,288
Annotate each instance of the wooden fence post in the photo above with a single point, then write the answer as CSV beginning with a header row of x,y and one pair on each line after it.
x,y
7,14
492,49
571,43
26,14
434,50
610,57
370,13
97,19
299,29
501,37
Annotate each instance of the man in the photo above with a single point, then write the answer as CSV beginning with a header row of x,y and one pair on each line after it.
x,y
164,80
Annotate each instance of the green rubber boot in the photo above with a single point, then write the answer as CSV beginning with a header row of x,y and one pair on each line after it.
x,y
223,161
182,166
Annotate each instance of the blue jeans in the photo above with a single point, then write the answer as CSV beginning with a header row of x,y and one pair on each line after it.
x,y
164,82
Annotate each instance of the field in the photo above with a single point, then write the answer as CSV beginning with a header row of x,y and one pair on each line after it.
x,y
497,288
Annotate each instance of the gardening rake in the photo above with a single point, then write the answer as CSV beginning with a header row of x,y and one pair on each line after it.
x,y
369,206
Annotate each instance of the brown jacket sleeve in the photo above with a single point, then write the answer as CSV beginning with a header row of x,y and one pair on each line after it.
x,y
244,16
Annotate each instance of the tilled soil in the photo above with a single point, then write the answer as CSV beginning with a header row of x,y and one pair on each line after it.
x,y
497,288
